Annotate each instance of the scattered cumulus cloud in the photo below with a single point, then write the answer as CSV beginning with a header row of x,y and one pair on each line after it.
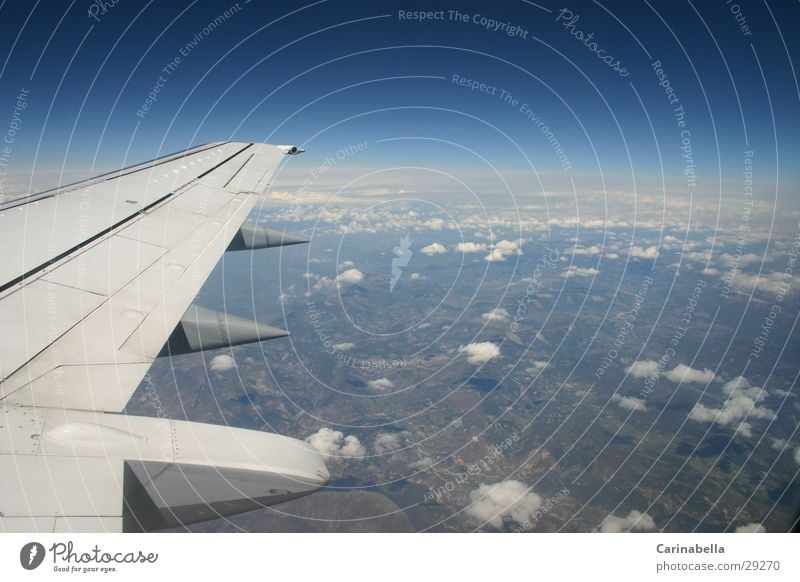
x,y
635,520
504,248
644,253
433,249
576,271
222,363
480,352
387,442
380,384
499,315
507,499
471,247
742,403
344,346
589,251
642,368
744,260
350,276
334,445
683,373
630,403
776,283
434,224
422,463
751,528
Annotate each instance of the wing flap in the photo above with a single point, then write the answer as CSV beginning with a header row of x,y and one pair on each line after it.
x,y
33,317
99,270
28,488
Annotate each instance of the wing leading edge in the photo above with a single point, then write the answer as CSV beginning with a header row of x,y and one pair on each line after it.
x,y
99,281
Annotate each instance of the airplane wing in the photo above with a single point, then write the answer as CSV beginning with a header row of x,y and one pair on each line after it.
x,y
97,280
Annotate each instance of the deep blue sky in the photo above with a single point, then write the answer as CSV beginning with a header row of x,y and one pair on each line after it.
x,y
88,77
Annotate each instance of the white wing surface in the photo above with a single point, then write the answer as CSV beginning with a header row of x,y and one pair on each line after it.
x,y
97,280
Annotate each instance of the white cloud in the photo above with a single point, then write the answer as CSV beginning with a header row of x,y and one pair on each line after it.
x,y
386,442
434,224
433,249
350,276
630,403
539,365
380,384
633,521
590,251
510,499
576,271
740,260
417,276
643,368
797,455
504,248
334,445
778,444
751,528
742,402
471,247
344,346
422,463
347,277
776,283
642,253
499,315
346,264
683,373
480,352
222,363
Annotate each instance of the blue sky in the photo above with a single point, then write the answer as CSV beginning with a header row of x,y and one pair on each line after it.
x,y
332,74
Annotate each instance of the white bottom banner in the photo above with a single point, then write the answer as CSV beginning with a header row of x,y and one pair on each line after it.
x,y
401,557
